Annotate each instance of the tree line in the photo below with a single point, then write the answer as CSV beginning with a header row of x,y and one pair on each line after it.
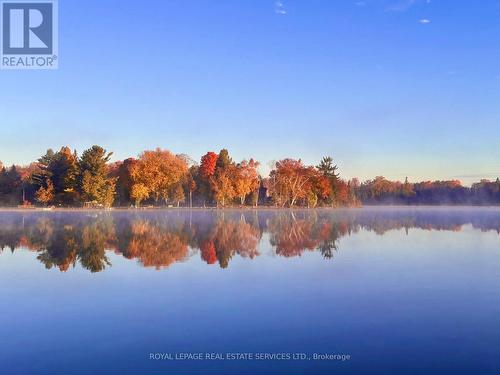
x,y
382,191
159,178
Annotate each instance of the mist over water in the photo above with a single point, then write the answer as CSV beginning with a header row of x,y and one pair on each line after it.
x,y
400,289
158,239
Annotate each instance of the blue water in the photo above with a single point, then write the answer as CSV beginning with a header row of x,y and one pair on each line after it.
x,y
394,290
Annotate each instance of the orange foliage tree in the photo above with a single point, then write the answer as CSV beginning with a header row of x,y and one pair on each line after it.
x,y
158,172
291,181
247,179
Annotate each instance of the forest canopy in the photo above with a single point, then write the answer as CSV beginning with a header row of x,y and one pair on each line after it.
x,y
161,178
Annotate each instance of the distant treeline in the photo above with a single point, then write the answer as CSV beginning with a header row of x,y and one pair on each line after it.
x,y
159,177
382,191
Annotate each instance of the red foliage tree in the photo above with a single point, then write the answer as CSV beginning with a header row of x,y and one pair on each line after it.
x,y
342,193
208,164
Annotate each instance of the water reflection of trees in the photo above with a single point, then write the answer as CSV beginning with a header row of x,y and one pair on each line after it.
x,y
63,240
227,238
61,244
291,234
154,244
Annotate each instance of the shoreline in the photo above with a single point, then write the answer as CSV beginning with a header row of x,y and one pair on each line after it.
x,y
263,208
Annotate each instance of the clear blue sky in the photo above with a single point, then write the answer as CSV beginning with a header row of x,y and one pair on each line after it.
x,y
388,87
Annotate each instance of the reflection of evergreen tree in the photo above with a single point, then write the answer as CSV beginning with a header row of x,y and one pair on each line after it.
x,y
326,248
294,233
330,232
92,245
62,242
61,249
230,237
329,235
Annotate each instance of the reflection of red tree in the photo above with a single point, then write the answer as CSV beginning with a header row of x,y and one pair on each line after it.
x,y
228,238
325,231
25,242
208,253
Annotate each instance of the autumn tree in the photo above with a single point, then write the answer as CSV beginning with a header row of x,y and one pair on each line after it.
x,y
247,179
380,187
159,171
206,173
138,193
190,162
208,164
177,194
342,193
45,194
223,180
191,182
223,184
321,189
124,181
291,181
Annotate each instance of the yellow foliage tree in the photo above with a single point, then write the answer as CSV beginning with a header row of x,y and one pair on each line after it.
x,y
138,193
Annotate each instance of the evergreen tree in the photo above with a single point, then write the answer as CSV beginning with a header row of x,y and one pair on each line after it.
x,y
39,178
93,181
223,161
10,185
64,172
329,170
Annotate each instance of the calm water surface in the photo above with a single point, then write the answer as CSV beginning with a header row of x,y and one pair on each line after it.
x,y
399,290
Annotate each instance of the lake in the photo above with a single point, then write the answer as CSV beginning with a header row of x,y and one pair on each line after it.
x,y
361,291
